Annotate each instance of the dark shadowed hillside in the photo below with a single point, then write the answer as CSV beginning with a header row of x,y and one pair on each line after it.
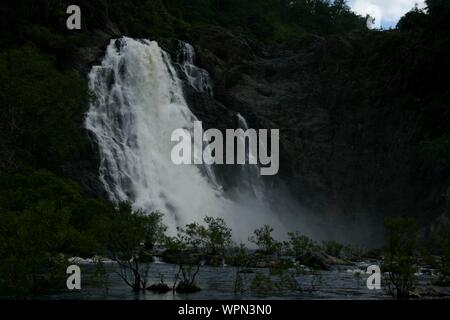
x,y
364,116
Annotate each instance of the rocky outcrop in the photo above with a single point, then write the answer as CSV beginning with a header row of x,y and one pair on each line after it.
x,y
352,126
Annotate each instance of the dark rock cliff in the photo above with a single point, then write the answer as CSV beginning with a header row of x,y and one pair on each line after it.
x,y
353,116
353,121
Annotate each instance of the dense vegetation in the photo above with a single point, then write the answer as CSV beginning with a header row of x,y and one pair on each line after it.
x,y
264,19
42,100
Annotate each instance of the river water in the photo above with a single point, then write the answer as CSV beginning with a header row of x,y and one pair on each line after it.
x,y
217,283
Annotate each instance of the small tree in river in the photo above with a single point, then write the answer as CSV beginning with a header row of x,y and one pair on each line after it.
x,y
399,256
263,238
129,238
196,244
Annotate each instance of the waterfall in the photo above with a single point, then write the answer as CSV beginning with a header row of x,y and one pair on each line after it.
x,y
138,102
251,173
197,78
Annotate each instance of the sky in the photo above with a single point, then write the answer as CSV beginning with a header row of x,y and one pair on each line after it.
x,y
386,12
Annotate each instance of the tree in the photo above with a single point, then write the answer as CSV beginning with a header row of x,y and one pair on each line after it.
x,y
218,236
399,256
39,121
212,239
129,237
189,263
194,245
263,239
333,248
301,245
32,243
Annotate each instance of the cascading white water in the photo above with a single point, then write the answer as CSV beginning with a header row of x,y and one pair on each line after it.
x,y
251,172
139,102
197,78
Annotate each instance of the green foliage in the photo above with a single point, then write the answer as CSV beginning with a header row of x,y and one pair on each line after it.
x,y
240,256
128,237
333,248
270,19
262,283
353,252
212,239
443,262
41,111
42,23
154,230
43,219
189,263
196,243
31,245
148,18
301,245
439,11
282,277
193,244
399,255
263,239
412,20
219,235
21,191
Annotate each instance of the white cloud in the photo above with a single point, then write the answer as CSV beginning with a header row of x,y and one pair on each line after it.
x,y
384,11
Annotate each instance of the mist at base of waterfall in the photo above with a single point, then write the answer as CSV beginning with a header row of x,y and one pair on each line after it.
x,y
139,103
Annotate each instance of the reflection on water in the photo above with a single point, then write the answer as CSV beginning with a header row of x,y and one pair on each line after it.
x,y
342,282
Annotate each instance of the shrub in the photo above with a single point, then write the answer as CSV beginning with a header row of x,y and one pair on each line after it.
x,y
301,245
263,239
32,243
399,256
333,248
129,236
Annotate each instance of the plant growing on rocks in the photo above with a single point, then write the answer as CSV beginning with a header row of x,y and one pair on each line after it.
x,y
161,286
301,245
262,237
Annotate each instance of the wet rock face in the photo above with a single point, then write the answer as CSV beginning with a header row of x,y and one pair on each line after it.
x,y
350,144
350,134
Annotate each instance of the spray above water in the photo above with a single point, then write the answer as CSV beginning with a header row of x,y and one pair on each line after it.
x,y
139,103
